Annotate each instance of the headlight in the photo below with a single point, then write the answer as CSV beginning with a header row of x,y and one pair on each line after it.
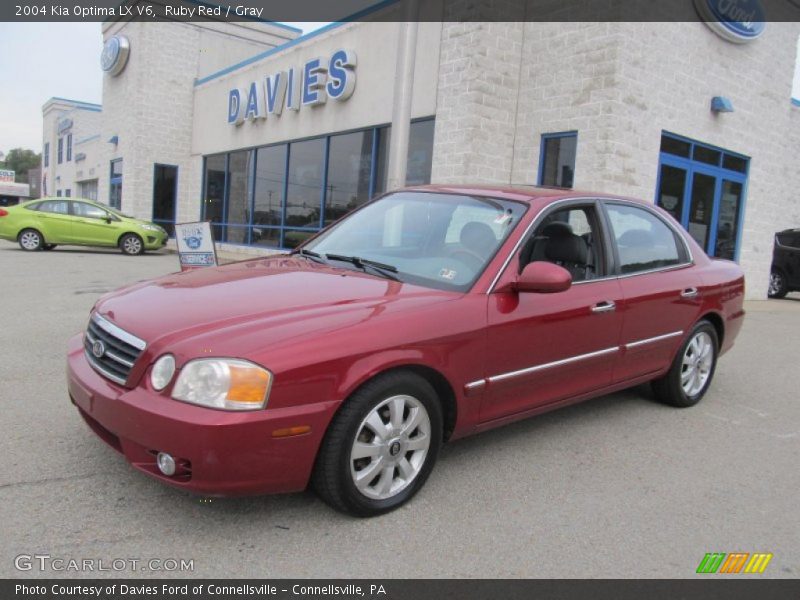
x,y
225,383
150,227
162,371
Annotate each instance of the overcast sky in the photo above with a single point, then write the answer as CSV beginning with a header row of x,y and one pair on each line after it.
x,y
35,69
42,60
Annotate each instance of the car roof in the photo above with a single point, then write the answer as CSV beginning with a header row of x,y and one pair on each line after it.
x,y
520,193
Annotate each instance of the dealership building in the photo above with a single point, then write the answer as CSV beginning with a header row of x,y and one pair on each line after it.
x,y
271,135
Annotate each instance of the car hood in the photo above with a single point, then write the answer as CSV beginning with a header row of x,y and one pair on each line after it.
x,y
286,295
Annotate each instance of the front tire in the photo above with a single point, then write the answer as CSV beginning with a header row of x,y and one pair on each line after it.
x,y
777,285
381,446
30,240
131,244
691,372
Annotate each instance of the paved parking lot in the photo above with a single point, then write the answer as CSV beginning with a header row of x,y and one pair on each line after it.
x,y
616,487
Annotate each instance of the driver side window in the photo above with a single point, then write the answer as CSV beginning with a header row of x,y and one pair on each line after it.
x,y
82,209
570,238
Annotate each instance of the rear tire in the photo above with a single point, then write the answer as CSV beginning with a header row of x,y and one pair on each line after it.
x,y
777,285
381,446
30,240
131,244
691,372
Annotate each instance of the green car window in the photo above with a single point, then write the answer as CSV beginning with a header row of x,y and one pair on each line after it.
x,y
81,209
60,207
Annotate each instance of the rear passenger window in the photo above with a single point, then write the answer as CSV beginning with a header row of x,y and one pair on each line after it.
x,y
59,207
644,241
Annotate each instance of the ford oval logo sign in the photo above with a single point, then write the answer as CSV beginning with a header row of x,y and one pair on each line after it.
x,y
193,242
737,21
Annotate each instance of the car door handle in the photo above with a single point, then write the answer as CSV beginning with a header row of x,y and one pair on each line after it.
x,y
604,306
689,292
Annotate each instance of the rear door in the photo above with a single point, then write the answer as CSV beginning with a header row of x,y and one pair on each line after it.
x,y
54,221
660,287
93,225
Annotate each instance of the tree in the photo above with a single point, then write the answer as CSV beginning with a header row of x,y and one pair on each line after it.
x,y
20,160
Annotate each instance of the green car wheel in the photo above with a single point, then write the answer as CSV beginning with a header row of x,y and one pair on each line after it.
x,y
30,240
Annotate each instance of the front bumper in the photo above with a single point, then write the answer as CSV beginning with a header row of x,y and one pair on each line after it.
x,y
154,241
218,453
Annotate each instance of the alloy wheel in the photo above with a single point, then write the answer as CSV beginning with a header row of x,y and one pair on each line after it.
x,y
390,447
30,240
132,245
698,358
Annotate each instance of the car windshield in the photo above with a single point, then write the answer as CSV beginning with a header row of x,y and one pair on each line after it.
x,y
437,240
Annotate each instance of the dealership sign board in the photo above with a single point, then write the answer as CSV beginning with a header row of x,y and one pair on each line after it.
x,y
7,176
320,78
195,245
737,21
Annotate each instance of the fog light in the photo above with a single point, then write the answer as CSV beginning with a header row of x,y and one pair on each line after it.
x,y
166,464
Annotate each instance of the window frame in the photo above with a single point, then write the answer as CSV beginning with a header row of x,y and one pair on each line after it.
x,y
74,213
543,145
598,222
60,151
685,255
69,147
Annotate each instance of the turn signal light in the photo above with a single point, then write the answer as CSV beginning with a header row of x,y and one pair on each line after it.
x,y
290,431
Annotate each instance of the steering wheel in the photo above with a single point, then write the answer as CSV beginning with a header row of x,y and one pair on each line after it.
x,y
473,259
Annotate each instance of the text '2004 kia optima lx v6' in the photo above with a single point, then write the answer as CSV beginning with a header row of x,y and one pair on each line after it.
x,y
424,316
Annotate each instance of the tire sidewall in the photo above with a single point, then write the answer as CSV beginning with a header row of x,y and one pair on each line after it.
x,y
686,400
782,290
411,385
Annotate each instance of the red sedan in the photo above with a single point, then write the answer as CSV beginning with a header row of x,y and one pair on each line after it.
x,y
427,315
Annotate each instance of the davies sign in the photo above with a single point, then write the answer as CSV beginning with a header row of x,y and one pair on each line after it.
x,y
318,80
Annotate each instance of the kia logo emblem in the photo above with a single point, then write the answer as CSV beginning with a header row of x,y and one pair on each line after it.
x,y
98,349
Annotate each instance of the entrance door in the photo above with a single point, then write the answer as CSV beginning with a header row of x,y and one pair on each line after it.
x,y
165,190
703,189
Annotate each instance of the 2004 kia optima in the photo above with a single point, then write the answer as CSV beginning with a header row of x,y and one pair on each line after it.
x,y
424,316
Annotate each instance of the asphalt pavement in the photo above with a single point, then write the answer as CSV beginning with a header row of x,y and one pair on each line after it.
x,y
619,486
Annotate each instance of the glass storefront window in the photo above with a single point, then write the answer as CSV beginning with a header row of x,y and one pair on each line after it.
x,y
214,194
304,191
277,196
420,155
728,220
240,178
268,201
349,167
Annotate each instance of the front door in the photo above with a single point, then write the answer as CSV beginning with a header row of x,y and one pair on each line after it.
x,y
92,225
543,348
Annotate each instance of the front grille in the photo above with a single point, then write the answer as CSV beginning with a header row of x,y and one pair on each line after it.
x,y
117,349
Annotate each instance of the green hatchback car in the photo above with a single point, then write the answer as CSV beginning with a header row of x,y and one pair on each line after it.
x,y
47,222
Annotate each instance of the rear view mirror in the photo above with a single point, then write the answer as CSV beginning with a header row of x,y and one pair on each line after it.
x,y
544,278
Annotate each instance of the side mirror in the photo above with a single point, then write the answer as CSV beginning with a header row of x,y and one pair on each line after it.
x,y
544,278
108,220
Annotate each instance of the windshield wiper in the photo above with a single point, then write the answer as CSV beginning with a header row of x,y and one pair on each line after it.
x,y
381,268
310,254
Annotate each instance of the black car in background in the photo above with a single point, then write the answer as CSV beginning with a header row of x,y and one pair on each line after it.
x,y
785,275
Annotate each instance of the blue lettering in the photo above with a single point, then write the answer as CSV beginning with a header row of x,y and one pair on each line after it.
x,y
292,91
314,82
255,103
234,106
341,75
276,92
